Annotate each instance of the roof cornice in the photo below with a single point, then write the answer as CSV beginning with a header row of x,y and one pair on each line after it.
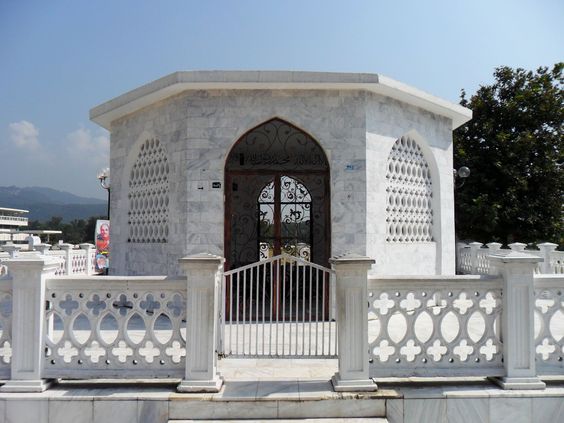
x,y
177,82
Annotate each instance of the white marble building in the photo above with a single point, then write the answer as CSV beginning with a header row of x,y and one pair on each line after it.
x,y
241,164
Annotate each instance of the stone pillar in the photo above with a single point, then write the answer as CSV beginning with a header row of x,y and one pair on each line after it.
x,y
352,323
474,247
517,320
67,248
203,274
88,247
28,320
546,249
493,248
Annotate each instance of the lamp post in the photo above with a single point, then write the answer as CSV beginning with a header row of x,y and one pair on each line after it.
x,y
462,173
104,178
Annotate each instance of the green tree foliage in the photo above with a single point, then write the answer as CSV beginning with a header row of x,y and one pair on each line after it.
x,y
514,147
74,232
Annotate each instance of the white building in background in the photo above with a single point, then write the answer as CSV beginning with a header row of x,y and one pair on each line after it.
x,y
12,221
250,164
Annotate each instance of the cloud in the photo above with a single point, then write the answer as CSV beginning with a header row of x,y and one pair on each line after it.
x,y
82,144
24,135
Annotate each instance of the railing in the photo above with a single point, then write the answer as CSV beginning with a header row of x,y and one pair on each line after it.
x,y
4,219
5,326
435,326
472,258
115,326
549,324
278,307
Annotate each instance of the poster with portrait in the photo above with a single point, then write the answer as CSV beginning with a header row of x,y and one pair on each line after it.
x,y
102,242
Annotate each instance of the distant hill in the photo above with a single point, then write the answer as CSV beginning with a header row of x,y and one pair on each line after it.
x,y
44,203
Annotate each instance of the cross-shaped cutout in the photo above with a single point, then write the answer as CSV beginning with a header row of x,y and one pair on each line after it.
x,y
123,305
177,305
68,351
410,350
463,350
149,352
150,305
545,349
384,350
176,352
488,303
489,349
122,351
437,350
6,352
462,303
410,303
544,304
96,305
94,351
68,304
384,304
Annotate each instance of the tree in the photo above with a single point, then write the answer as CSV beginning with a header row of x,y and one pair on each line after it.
x,y
514,146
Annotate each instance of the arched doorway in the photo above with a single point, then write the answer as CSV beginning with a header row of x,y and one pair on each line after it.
x,y
276,196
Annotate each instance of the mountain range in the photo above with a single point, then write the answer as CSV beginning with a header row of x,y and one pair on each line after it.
x,y
44,203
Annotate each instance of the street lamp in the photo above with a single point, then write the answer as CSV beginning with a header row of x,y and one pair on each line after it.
x,y
462,173
104,178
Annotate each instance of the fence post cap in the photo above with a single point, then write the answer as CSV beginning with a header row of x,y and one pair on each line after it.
x,y
515,257
86,246
475,244
65,246
548,245
494,245
202,258
351,258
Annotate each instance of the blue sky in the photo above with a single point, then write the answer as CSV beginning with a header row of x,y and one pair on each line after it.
x,y
60,58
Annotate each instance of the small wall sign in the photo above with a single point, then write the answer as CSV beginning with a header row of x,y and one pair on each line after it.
x,y
216,185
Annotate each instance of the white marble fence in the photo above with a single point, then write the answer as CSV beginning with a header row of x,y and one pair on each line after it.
x,y
508,326
472,258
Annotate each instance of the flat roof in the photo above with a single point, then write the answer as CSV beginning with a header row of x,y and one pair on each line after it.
x,y
177,82
13,210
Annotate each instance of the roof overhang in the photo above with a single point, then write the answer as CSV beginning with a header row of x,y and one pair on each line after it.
x,y
178,82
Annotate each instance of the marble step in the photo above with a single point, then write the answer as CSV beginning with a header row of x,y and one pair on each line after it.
x,y
329,420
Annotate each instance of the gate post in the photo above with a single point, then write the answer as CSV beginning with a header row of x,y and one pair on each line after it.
x,y
203,274
517,320
29,277
352,323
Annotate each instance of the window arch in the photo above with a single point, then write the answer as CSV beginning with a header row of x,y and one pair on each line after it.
x,y
149,195
409,210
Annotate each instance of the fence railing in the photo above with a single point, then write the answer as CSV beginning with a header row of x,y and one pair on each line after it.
x,y
509,326
472,258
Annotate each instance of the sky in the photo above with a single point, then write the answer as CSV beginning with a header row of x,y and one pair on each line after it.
x,y
58,59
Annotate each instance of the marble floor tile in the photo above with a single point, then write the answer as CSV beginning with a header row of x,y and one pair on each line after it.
x,y
333,408
115,411
316,389
198,410
468,410
394,410
548,409
278,390
237,391
424,411
27,411
511,410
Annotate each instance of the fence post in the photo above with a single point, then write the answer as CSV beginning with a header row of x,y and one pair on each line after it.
x,y
29,276
459,247
517,320
352,323
43,248
67,248
12,249
546,249
517,246
88,247
203,274
474,247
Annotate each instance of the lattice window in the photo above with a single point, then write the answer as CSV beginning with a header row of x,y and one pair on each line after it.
x,y
148,195
409,211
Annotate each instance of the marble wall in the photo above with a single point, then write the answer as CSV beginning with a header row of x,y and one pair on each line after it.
x,y
356,129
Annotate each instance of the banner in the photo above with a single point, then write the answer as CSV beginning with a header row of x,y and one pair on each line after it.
x,y
102,238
